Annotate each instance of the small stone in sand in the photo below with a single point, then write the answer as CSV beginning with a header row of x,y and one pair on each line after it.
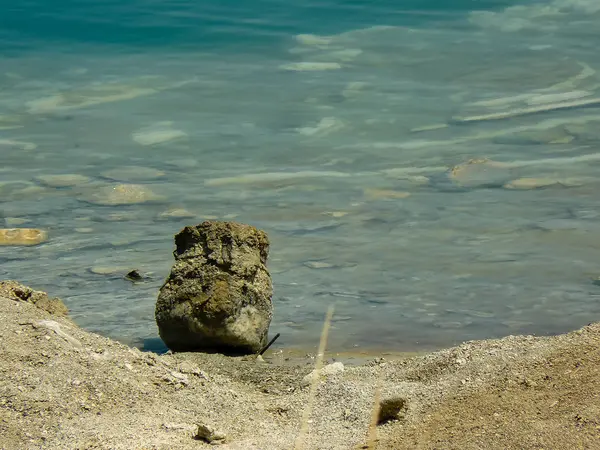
x,y
22,236
329,370
209,434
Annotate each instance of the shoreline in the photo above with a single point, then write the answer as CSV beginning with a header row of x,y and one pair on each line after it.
x,y
62,387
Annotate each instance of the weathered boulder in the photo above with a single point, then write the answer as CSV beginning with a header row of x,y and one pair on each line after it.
x,y
20,293
218,294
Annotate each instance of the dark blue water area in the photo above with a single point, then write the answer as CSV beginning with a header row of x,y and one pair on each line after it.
x,y
27,25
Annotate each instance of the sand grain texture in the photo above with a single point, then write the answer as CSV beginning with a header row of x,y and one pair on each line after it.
x,y
514,393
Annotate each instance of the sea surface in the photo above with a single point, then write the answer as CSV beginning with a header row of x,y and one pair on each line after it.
x,y
431,168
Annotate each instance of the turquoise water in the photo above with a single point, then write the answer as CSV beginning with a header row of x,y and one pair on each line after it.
x,y
333,126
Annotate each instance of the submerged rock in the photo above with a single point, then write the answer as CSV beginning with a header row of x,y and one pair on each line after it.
x,y
385,194
22,236
554,135
122,194
62,181
218,294
157,133
480,173
133,174
539,183
176,213
310,66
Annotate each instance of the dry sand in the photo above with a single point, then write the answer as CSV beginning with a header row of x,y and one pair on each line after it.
x,y
64,388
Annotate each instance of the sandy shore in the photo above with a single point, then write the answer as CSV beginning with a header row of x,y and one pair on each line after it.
x,y
64,388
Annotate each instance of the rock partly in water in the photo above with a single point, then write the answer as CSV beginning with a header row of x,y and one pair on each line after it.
x,y
16,291
135,276
22,236
218,294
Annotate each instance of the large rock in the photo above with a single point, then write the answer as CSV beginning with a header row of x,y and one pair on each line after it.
x,y
218,295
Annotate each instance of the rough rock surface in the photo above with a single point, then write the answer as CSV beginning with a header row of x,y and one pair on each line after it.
x,y
16,291
218,294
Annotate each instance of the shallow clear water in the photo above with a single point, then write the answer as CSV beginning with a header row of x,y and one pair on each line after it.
x,y
332,125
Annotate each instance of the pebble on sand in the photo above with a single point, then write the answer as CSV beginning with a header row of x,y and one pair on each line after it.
x,y
329,370
22,236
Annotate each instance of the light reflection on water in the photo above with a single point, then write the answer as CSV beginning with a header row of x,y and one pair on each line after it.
x,y
337,143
